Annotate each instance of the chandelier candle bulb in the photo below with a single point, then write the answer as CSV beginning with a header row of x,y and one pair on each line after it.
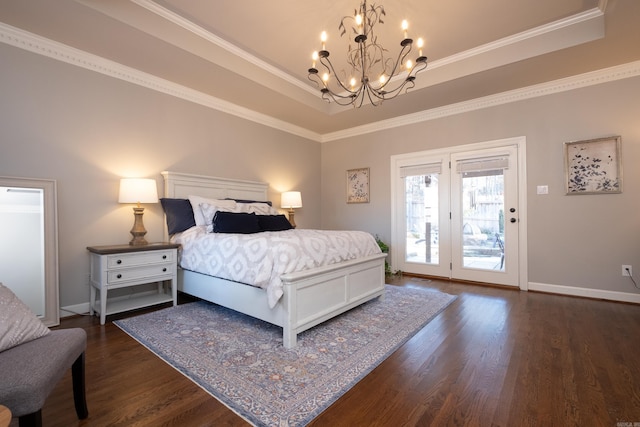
x,y
420,44
323,39
405,27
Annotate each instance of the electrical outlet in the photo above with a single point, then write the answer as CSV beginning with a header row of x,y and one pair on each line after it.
x,y
627,270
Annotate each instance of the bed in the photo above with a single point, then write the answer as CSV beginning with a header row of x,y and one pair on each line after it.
x,y
309,297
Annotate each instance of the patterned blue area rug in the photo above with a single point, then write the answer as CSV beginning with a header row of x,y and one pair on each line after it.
x,y
241,361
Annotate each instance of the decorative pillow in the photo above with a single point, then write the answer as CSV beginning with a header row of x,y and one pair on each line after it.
x,y
250,201
179,214
198,215
259,208
18,324
209,211
235,222
274,223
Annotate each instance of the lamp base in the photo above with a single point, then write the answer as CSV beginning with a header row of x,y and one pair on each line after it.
x,y
138,231
292,220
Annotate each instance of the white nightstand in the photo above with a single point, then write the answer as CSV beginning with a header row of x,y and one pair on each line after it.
x,y
121,266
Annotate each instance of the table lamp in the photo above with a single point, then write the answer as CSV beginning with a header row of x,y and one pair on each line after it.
x,y
291,200
138,190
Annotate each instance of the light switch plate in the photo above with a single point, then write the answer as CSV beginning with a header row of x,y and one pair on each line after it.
x,y
543,189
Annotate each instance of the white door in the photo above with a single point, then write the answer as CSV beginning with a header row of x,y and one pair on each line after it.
x,y
484,216
455,214
422,203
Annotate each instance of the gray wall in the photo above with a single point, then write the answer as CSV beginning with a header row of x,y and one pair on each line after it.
x,y
573,241
86,131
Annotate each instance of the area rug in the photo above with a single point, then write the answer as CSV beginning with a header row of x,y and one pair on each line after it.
x,y
241,361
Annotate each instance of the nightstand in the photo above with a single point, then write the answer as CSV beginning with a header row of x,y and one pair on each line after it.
x,y
122,266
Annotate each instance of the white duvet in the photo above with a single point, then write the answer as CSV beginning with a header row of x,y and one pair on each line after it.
x,y
260,259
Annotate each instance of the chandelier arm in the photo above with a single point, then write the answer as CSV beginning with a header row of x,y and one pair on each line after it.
x,y
399,61
373,93
324,60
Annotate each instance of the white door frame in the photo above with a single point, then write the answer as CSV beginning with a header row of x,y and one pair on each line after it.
x,y
520,143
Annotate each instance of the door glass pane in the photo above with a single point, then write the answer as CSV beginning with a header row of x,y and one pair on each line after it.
x,y
421,196
483,219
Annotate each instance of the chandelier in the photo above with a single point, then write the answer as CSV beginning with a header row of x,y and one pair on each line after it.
x,y
374,75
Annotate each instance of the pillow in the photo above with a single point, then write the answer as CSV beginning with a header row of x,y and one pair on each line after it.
x,y
235,222
259,208
209,211
18,324
179,214
274,223
249,201
197,211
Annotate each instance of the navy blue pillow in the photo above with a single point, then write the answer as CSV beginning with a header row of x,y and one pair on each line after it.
x,y
274,223
235,222
179,214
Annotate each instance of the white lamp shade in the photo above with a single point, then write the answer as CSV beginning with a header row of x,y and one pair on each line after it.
x,y
138,190
291,199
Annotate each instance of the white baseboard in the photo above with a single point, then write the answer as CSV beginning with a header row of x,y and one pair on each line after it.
x,y
72,310
585,292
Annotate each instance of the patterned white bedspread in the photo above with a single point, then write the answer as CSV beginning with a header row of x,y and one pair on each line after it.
x,y
260,259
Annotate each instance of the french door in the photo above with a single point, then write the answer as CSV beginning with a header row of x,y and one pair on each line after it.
x,y
457,214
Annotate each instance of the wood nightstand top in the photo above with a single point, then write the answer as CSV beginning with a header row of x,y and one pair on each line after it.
x,y
118,249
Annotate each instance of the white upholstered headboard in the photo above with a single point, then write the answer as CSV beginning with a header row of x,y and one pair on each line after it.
x,y
183,185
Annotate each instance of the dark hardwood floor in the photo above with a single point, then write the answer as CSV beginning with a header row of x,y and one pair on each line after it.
x,y
495,357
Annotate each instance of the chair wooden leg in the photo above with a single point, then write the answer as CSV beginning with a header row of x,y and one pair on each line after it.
x,y
33,419
79,395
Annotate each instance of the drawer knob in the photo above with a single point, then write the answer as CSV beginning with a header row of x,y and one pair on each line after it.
x,y
164,269
119,261
164,257
119,276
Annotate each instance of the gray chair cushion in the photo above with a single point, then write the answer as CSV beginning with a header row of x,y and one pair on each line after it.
x,y
30,371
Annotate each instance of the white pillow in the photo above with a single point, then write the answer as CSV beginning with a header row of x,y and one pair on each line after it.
x,y
18,324
208,211
258,208
198,215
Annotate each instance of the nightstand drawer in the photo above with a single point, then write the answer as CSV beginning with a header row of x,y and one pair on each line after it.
x,y
136,259
148,272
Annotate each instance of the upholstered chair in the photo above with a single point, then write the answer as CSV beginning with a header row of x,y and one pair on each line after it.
x,y
33,359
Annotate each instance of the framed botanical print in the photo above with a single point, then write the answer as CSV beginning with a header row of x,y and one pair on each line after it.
x,y
358,185
593,166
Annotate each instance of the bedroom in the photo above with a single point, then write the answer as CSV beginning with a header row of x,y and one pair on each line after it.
x,y
86,130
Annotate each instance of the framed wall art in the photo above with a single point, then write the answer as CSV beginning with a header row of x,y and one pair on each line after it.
x,y
358,185
593,166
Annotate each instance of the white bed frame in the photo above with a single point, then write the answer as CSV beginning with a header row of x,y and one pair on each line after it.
x,y
310,297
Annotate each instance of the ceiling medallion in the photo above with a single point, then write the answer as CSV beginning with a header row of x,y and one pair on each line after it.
x,y
374,76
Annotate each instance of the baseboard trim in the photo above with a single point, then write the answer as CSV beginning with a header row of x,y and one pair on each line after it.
x,y
585,292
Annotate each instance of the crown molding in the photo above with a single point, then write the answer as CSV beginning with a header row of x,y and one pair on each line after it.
x,y
40,45
33,43
605,75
